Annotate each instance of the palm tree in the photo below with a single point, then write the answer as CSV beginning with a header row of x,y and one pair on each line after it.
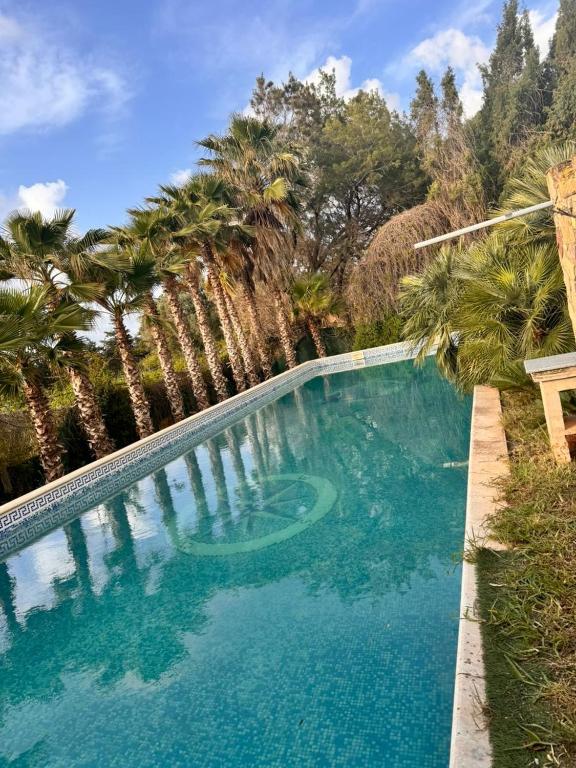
x,y
503,303
263,179
428,302
192,281
530,187
512,306
154,323
127,277
205,221
155,226
44,252
250,365
171,289
32,336
314,302
133,238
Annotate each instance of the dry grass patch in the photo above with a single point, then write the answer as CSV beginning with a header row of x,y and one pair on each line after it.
x,y
528,598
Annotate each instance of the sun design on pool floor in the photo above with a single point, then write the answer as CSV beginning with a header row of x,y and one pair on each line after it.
x,y
285,506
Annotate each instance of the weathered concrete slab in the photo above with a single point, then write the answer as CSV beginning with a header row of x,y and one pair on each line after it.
x,y
488,461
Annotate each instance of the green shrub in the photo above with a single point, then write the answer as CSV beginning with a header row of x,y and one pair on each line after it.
x,y
385,331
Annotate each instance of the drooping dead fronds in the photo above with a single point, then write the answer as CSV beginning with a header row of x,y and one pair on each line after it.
x,y
373,285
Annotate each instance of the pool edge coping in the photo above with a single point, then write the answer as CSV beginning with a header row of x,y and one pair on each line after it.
x,y
488,460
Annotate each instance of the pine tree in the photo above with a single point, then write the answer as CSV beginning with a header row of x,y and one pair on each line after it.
x,y
561,66
456,175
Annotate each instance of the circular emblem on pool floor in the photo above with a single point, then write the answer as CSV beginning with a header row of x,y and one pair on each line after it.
x,y
290,504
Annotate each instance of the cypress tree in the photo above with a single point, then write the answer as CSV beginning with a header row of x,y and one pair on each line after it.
x,y
451,109
513,107
561,66
425,118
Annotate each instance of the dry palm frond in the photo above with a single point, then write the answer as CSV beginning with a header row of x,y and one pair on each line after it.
x,y
373,286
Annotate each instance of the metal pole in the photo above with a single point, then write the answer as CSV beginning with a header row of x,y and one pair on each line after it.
x,y
484,224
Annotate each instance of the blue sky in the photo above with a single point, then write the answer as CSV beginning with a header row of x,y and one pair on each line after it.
x,y
101,101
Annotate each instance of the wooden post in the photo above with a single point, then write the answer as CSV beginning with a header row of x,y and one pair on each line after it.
x,y
562,187
555,421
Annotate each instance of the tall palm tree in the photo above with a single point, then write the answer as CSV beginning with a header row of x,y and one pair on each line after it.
x,y
171,288
45,251
264,180
154,227
154,323
314,302
151,316
127,279
205,219
192,281
32,336
250,365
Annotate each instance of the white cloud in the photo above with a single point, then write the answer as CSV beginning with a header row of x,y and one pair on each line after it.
x,y
342,69
543,28
45,197
452,47
180,176
46,85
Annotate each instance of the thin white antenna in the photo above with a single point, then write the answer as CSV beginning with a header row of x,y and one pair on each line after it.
x,y
484,224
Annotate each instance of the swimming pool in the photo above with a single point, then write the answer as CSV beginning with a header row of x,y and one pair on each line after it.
x,y
285,593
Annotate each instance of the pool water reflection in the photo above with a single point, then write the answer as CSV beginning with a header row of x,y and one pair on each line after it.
x,y
285,594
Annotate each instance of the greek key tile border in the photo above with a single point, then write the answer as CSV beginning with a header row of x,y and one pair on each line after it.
x,y
31,515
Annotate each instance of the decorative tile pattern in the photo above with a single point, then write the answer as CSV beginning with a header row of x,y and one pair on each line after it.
x,y
40,511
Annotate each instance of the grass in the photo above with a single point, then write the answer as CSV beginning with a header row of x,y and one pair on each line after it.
x,y
528,601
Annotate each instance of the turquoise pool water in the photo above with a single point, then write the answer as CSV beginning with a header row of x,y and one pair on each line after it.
x,y
285,594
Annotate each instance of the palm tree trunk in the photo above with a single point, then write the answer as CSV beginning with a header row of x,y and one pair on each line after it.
x,y
50,448
220,303
185,339
165,358
245,351
208,339
284,329
90,414
255,327
316,337
138,399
